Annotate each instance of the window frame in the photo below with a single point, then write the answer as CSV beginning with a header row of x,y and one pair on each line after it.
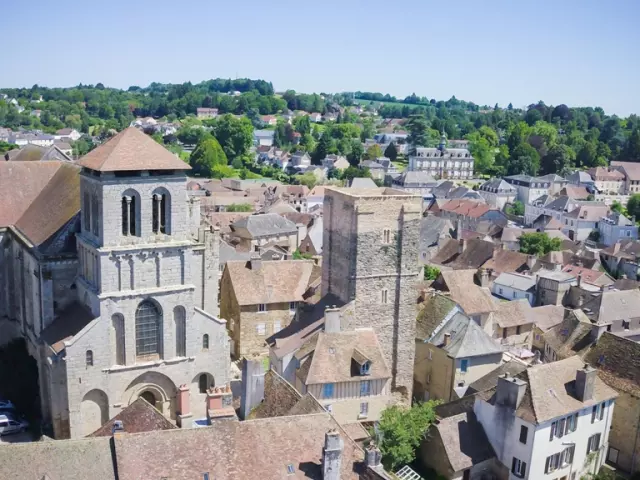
x,y
518,467
262,307
365,388
328,390
524,431
464,365
261,329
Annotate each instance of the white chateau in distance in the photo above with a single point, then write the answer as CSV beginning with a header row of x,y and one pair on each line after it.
x,y
443,162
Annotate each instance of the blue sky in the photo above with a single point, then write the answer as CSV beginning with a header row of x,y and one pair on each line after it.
x,y
578,52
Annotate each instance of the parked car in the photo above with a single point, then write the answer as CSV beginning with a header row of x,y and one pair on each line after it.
x,y
6,404
10,424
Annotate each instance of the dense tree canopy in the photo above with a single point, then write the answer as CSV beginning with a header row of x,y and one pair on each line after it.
x,y
538,243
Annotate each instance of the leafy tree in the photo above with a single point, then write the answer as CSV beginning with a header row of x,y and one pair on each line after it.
x,y
482,151
356,154
524,159
5,147
633,205
391,152
191,135
430,272
516,208
239,207
223,171
417,127
587,155
373,151
302,124
322,149
538,243
352,172
206,156
632,147
401,430
559,160
298,255
616,207
234,134
308,179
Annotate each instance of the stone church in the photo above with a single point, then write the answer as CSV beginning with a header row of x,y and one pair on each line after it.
x,y
107,275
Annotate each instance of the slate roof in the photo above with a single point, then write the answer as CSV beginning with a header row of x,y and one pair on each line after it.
x,y
627,249
580,177
432,313
358,182
131,149
232,450
490,380
38,198
83,459
229,253
264,224
464,441
66,325
523,283
431,227
468,339
332,355
274,282
570,337
619,219
415,177
612,305
546,316
138,417
618,362
497,184
443,188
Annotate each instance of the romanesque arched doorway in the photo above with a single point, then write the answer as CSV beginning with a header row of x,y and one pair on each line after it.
x,y
157,389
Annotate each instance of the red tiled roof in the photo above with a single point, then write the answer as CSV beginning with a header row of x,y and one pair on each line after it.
x,y
131,149
467,208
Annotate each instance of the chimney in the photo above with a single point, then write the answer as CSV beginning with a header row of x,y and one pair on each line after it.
x,y
557,267
510,391
256,262
332,455
184,418
459,229
531,261
220,404
484,277
462,246
332,319
372,456
447,339
579,279
603,288
585,381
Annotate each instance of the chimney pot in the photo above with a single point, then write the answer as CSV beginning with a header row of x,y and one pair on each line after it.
x,y
332,320
585,383
332,455
447,338
256,262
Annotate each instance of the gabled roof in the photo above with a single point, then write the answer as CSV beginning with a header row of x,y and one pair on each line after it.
x,y
618,362
131,149
66,325
631,169
471,298
330,357
490,380
467,208
467,339
138,417
546,316
273,282
570,337
463,440
512,314
524,283
38,198
265,224
507,261
612,305
433,312
431,228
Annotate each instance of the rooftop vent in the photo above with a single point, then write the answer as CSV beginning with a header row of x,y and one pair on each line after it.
x,y
290,469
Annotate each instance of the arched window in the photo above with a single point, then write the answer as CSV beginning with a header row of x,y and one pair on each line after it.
x,y
205,342
202,383
179,317
117,321
89,358
130,203
148,330
161,210
86,213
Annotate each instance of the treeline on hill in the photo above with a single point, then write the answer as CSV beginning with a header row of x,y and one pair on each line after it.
x,y
537,140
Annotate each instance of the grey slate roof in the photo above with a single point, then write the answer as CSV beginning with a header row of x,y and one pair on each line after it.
x,y
431,227
417,177
443,188
264,225
467,338
359,182
580,177
229,253
497,184
523,283
490,380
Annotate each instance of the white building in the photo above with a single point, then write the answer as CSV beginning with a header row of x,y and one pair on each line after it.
x,y
515,286
529,188
608,180
68,133
497,193
140,292
443,162
616,227
552,422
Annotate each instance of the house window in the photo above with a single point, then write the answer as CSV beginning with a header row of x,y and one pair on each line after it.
x,y
464,365
261,329
364,409
365,388
159,213
89,358
293,306
593,444
524,431
277,326
430,355
625,324
384,295
598,412
327,390
262,308
386,236
518,330
518,467
466,475
148,329
205,341
504,332
428,378
515,294
364,368
500,290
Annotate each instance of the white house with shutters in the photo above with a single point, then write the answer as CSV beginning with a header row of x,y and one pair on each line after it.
x,y
550,422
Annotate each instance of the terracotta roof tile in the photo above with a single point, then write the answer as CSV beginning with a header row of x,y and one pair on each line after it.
x,y
618,362
138,417
131,149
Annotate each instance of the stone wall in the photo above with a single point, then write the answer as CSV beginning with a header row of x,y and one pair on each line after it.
x,y
251,343
625,431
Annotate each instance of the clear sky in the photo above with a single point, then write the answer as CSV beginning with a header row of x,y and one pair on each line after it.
x,y
578,52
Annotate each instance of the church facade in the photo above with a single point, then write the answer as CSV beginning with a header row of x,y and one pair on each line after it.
x,y
138,317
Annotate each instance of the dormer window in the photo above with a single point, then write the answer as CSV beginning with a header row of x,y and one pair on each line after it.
x,y
365,367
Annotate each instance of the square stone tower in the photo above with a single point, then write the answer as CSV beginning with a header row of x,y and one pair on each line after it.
x,y
370,256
